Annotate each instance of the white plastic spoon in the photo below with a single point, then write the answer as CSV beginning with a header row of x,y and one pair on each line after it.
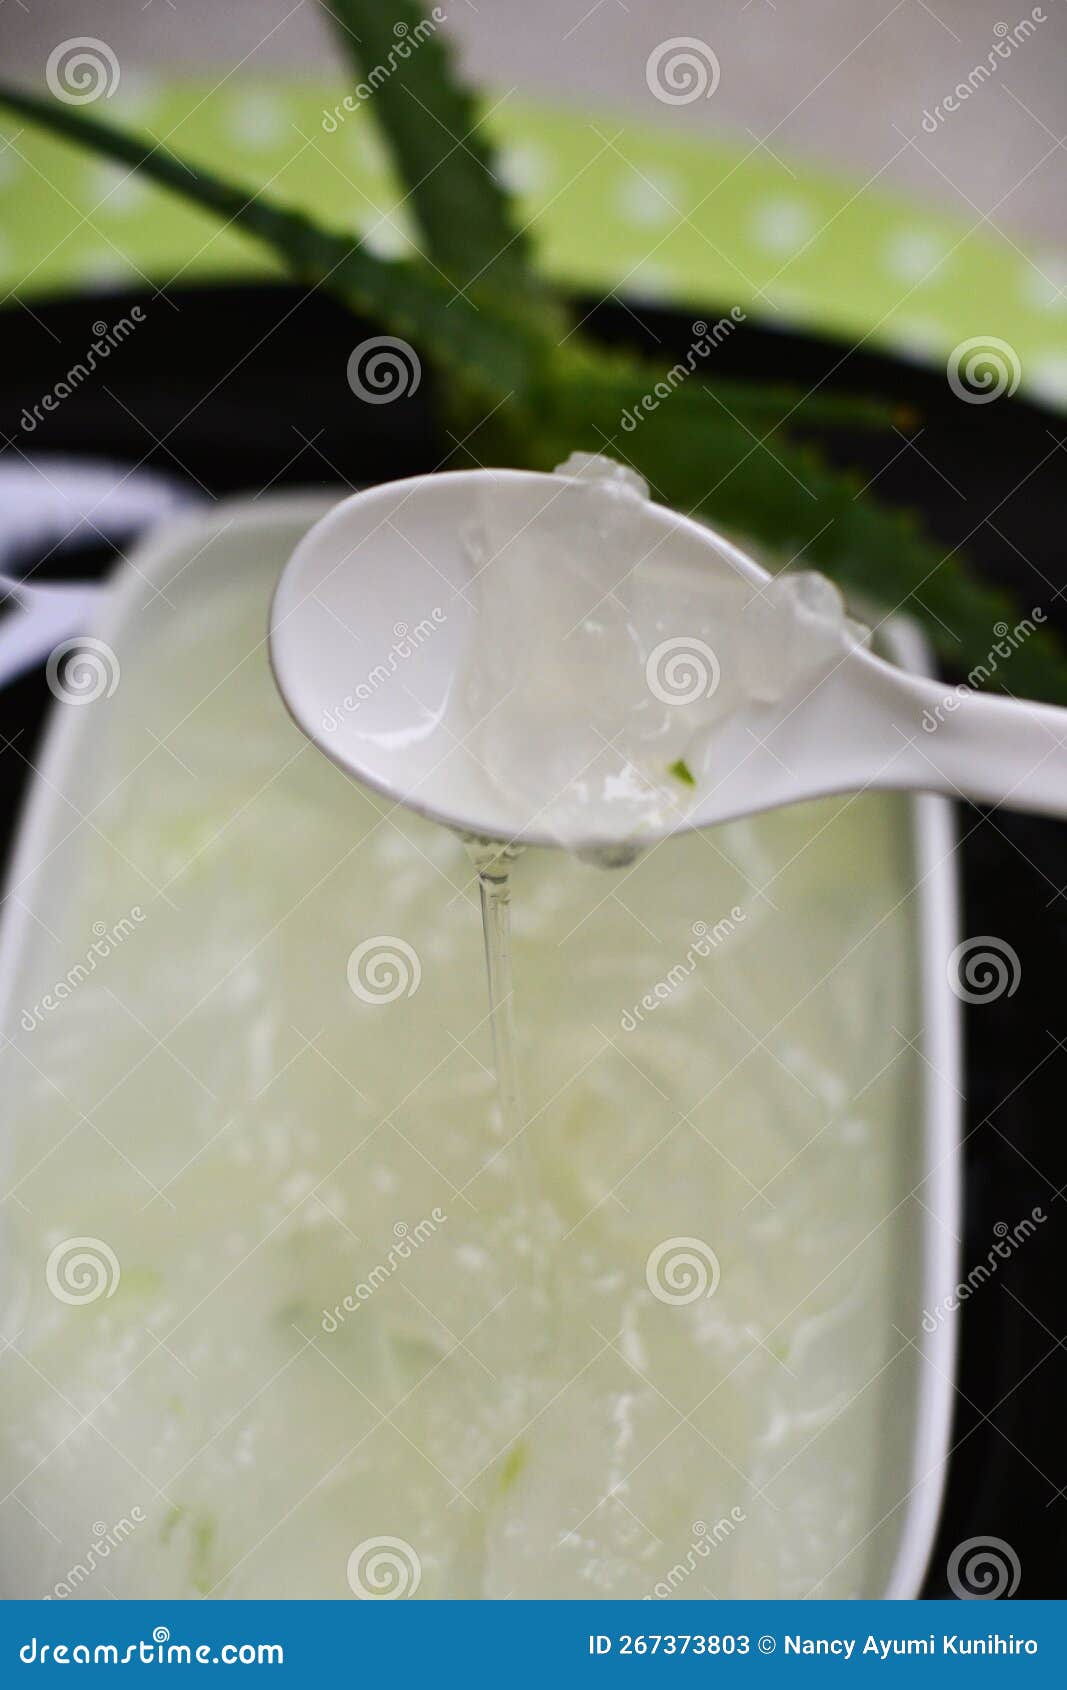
x,y
371,632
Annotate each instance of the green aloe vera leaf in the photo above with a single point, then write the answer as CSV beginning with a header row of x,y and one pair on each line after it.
x,y
494,350
406,77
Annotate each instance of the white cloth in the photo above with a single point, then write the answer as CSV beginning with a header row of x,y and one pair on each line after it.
x,y
47,505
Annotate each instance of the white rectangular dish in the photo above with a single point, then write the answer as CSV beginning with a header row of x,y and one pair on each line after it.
x,y
189,1087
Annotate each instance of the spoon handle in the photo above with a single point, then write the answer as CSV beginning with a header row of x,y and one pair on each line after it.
x,y
988,748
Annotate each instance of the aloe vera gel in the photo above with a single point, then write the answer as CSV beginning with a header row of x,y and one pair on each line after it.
x,y
292,1313
601,672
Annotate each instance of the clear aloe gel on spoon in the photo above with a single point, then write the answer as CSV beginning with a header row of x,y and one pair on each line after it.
x,y
601,672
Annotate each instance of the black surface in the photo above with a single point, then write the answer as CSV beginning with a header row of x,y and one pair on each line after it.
x,y
989,475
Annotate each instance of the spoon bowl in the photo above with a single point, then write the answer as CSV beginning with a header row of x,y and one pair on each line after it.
x,y
375,620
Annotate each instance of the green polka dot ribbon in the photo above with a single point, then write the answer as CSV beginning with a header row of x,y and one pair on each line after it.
x,y
632,210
